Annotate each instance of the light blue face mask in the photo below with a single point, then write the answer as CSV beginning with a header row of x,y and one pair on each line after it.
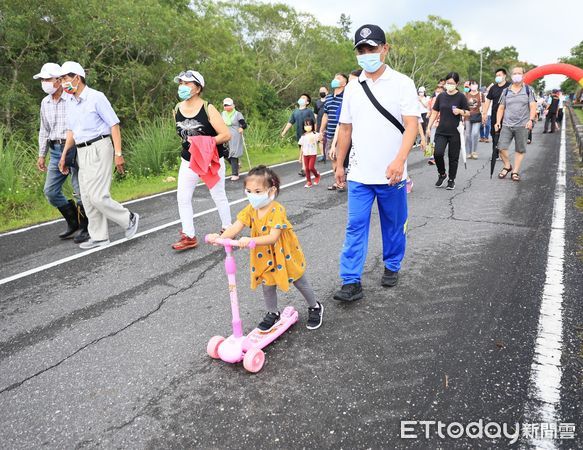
x,y
370,62
301,102
498,79
258,200
335,84
184,92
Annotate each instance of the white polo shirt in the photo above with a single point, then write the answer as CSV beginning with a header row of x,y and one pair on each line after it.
x,y
375,140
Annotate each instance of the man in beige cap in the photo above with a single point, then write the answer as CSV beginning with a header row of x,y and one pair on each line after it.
x,y
93,127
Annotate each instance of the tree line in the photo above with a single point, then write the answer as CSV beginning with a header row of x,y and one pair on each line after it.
x,y
262,55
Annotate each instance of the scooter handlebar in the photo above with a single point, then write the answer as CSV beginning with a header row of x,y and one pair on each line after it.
x,y
231,242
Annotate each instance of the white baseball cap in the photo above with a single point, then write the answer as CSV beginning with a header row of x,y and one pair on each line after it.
x,y
228,102
72,67
190,75
48,70
421,89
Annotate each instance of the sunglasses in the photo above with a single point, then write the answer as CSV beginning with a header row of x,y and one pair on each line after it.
x,y
188,74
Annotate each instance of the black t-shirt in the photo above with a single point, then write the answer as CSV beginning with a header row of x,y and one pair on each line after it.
x,y
448,121
199,125
494,94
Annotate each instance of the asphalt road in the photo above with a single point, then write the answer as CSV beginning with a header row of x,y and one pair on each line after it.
x,y
108,350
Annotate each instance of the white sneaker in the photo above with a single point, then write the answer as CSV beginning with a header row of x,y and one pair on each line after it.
x,y
133,227
92,244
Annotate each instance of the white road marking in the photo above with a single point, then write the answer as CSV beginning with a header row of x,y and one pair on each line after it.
x,y
546,370
129,202
121,241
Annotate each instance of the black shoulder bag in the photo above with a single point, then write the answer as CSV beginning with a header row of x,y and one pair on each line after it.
x,y
380,107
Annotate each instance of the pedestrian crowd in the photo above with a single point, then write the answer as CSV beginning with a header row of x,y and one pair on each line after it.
x,y
354,114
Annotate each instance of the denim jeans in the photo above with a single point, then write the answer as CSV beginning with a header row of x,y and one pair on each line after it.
x,y
55,180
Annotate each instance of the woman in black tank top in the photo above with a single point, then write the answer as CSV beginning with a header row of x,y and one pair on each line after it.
x,y
195,117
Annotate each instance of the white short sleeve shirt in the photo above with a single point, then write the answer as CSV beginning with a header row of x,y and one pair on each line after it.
x,y
376,141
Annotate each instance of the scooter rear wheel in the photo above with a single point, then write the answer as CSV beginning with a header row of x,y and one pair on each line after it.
x,y
254,360
212,347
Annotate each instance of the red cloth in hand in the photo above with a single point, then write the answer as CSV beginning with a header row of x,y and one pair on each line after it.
x,y
204,159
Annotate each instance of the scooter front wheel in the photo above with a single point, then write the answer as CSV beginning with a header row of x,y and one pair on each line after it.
x,y
212,347
254,360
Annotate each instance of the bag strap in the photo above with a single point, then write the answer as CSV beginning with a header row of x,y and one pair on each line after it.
x,y
380,107
205,105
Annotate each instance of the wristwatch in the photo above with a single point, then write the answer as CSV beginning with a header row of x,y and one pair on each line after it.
x,y
117,154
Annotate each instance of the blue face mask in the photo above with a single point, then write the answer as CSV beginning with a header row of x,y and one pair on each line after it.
x,y
301,102
258,200
335,84
466,89
370,62
498,79
184,92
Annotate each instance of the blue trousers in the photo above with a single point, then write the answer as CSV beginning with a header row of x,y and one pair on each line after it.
x,y
55,179
392,203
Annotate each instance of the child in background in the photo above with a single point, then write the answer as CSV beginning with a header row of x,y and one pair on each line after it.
x,y
309,144
277,260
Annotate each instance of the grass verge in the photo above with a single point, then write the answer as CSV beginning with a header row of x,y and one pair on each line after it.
x,y
35,208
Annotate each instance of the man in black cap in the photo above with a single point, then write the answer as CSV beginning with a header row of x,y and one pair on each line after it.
x,y
380,113
552,110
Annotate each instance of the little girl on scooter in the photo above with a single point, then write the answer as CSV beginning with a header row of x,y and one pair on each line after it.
x,y
277,260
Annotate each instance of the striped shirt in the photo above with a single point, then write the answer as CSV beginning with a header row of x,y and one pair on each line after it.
x,y
53,122
332,110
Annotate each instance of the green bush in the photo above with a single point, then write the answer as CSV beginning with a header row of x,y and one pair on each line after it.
x,y
153,147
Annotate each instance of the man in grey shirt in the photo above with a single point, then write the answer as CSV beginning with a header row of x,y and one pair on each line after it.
x,y
518,109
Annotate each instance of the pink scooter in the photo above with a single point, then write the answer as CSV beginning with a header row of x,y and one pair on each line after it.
x,y
239,347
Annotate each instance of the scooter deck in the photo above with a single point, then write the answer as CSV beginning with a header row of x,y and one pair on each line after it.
x,y
261,339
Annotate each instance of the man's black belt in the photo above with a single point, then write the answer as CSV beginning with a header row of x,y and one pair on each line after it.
x,y
57,142
92,141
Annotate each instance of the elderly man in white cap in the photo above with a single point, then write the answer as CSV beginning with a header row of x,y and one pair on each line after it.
x,y
93,127
51,139
236,123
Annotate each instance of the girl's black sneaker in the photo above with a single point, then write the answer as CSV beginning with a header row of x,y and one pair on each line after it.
x,y
315,317
268,321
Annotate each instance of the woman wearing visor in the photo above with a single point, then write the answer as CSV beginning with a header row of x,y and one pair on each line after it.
x,y
196,117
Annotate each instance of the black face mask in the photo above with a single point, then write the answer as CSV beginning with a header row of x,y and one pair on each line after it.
x,y
322,94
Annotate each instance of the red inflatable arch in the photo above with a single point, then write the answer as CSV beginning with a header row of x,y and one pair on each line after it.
x,y
569,70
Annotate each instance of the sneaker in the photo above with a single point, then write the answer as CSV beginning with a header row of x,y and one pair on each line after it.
x,y
185,242
133,227
234,177
317,180
390,278
315,317
301,173
349,292
440,180
308,185
450,185
475,155
431,161
268,321
92,244
82,236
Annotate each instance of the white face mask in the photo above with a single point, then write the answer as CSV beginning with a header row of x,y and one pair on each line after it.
x,y
48,87
517,78
473,87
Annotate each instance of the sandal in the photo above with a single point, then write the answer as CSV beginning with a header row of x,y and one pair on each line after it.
x,y
515,176
333,187
506,172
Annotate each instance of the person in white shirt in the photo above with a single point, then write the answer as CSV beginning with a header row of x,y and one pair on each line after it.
x,y
382,137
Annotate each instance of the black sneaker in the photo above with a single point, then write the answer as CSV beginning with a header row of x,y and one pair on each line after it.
x,y
440,180
315,317
349,292
450,185
268,321
390,278
301,173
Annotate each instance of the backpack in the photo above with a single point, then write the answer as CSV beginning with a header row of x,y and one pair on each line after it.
x,y
527,91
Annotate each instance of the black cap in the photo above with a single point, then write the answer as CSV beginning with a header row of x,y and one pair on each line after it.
x,y
369,34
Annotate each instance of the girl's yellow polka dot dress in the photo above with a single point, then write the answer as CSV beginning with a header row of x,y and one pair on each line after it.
x,y
281,263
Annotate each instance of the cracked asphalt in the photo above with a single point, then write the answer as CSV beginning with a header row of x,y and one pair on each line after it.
x,y
109,350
